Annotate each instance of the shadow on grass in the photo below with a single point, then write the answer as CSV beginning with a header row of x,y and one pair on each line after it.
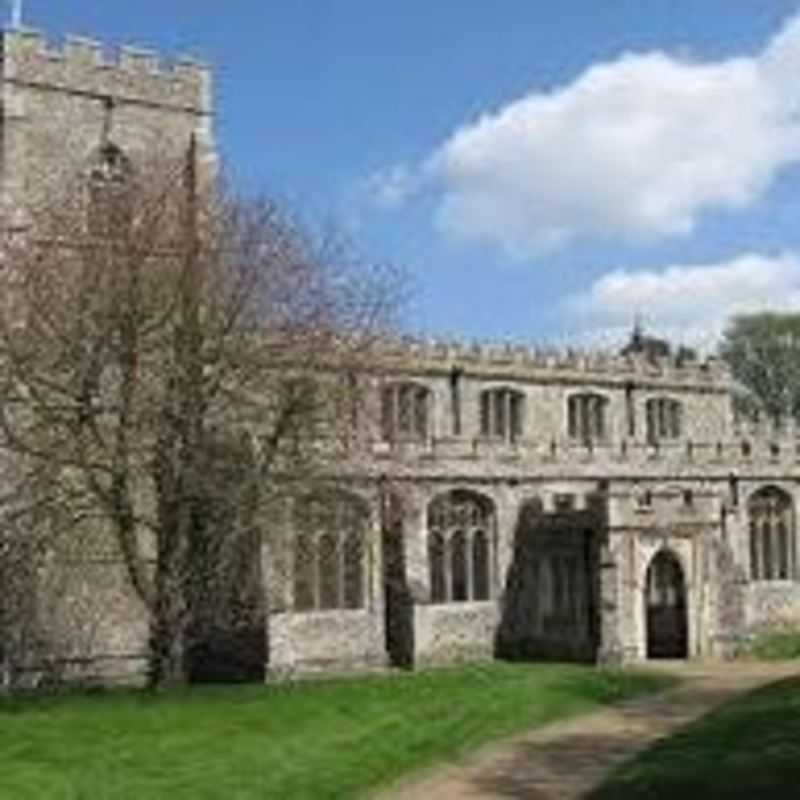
x,y
682,763
748,748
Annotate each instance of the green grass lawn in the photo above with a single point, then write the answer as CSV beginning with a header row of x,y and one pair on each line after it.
x,y
749,748
309,740
777,645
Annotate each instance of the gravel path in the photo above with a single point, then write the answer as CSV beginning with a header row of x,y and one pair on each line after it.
x,y
566,759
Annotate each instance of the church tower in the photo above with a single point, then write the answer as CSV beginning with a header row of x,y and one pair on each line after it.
x,y
68,113
62,105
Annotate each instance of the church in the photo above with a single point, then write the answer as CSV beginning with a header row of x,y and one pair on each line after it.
x,y
514,503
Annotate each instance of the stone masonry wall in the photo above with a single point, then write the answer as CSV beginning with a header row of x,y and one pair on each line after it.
x,y
678,494
56,102
57,105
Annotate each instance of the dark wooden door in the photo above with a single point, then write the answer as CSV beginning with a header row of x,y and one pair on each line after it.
x,y
665,604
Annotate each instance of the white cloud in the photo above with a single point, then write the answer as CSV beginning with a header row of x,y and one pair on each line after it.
x,y
635,148
687,303
391,187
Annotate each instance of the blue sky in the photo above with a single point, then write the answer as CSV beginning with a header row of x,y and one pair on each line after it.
x,y
544,171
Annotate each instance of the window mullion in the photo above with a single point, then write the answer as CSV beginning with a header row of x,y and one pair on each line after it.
x,y
341,541
755,547
592,406
316,573
766,544
469,563
585,432
601,419
448,566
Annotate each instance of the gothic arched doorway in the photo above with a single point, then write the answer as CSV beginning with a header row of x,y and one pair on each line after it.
x,y
665,607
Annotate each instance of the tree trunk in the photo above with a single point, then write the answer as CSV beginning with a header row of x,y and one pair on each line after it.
x,y
167,632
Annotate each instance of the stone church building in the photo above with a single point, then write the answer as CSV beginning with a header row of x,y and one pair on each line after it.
x,y
514,503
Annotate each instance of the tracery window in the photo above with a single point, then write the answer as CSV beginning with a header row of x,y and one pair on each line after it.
x,y
664,419
772,535
329,552
502,411
460,547
405,412
586,417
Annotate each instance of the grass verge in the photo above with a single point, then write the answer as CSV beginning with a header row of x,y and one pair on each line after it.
x,y
749,748
780,645
320,740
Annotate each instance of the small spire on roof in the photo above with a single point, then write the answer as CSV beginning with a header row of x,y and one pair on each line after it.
x,y
637,334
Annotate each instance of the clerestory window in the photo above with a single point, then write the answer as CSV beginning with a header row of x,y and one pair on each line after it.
x,y
502,412
586,418
405,412
664,419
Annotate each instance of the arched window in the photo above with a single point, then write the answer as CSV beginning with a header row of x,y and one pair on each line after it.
x,y
404,412
586,418
329,552
460,546
772,535
109,192
664,419
502,411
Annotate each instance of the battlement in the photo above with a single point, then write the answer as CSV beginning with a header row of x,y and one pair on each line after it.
x,y
591,364
87,66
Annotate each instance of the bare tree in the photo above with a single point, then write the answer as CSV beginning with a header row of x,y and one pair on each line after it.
x,y
161,347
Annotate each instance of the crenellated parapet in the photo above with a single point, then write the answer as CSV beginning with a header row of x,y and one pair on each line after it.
x,y
553,363
87,67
